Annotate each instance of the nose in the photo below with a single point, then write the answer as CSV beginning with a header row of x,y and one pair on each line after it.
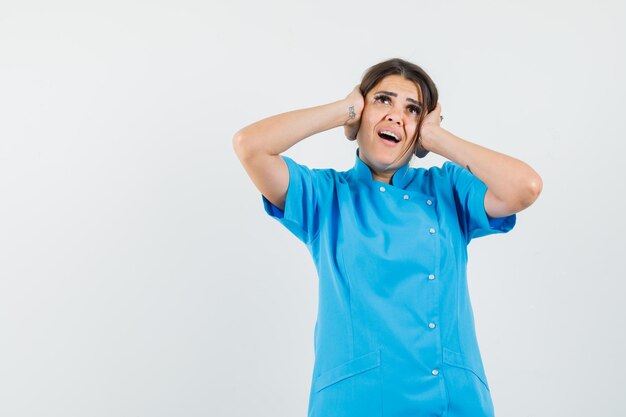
x,y
394,116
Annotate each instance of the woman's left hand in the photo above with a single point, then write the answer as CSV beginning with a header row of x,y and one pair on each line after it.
x,y
432,120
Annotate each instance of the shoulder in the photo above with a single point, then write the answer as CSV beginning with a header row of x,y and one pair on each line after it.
x,y
437,173
435,180
317,175
448,168
450,172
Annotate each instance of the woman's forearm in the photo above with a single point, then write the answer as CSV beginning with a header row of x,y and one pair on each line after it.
x,y
274,135
511,180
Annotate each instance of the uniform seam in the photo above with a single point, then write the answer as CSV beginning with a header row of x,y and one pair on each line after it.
x,y
445,387
351,326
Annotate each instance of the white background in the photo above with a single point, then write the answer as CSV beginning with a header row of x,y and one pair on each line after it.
x,y
139,274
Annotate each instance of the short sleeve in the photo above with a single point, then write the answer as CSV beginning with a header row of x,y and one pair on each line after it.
x,y
469,197
300,216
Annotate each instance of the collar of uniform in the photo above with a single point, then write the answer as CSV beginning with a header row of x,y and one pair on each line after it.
x,y
363,172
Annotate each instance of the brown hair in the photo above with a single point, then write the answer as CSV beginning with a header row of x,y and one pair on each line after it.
x,y
412,72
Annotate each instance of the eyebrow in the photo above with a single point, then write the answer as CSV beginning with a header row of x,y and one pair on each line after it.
x,y
396,95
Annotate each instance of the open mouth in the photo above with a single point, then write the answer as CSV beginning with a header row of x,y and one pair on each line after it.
x,y
388,136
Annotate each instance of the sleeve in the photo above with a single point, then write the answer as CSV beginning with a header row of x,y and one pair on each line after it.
x,y
301,215
469,196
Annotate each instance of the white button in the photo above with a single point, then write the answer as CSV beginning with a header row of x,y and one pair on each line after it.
x,y
435,372
431,230
429,202
382,189
431,325
406,197
431,276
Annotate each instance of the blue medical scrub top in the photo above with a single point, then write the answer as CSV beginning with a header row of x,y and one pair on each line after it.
x,y
395,333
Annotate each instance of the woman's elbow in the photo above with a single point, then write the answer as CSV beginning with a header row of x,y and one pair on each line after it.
x,y
533,189
241,144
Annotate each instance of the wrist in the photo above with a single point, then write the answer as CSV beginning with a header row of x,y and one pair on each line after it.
x,y
338,112
351,108
351,111
428,135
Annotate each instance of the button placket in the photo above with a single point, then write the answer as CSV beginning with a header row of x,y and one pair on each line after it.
x,y
431,277
431,230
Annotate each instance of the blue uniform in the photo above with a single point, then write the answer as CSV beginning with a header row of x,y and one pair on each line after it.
x,y
394,335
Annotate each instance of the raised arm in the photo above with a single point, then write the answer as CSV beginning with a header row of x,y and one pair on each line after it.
x,y
512,185
259,145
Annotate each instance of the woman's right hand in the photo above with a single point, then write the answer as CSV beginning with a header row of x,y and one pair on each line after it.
x,y
355,103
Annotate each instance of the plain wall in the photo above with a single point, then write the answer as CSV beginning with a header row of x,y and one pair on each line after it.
x,y
139,274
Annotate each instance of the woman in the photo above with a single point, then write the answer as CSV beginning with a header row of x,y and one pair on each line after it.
x,y
395,332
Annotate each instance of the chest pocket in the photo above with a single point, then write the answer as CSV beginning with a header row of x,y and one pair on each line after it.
x,y
352,389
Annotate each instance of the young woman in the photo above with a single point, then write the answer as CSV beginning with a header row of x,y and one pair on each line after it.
x,y
395,330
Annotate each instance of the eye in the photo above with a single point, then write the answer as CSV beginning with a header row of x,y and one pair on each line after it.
x,y
382,98
415,110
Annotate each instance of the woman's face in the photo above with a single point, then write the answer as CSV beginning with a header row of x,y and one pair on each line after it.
x,y
392,106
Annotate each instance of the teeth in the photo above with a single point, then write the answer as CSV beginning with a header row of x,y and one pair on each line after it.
x,y
390,134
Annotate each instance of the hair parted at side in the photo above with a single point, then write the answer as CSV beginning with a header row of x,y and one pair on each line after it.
x,y
412,72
